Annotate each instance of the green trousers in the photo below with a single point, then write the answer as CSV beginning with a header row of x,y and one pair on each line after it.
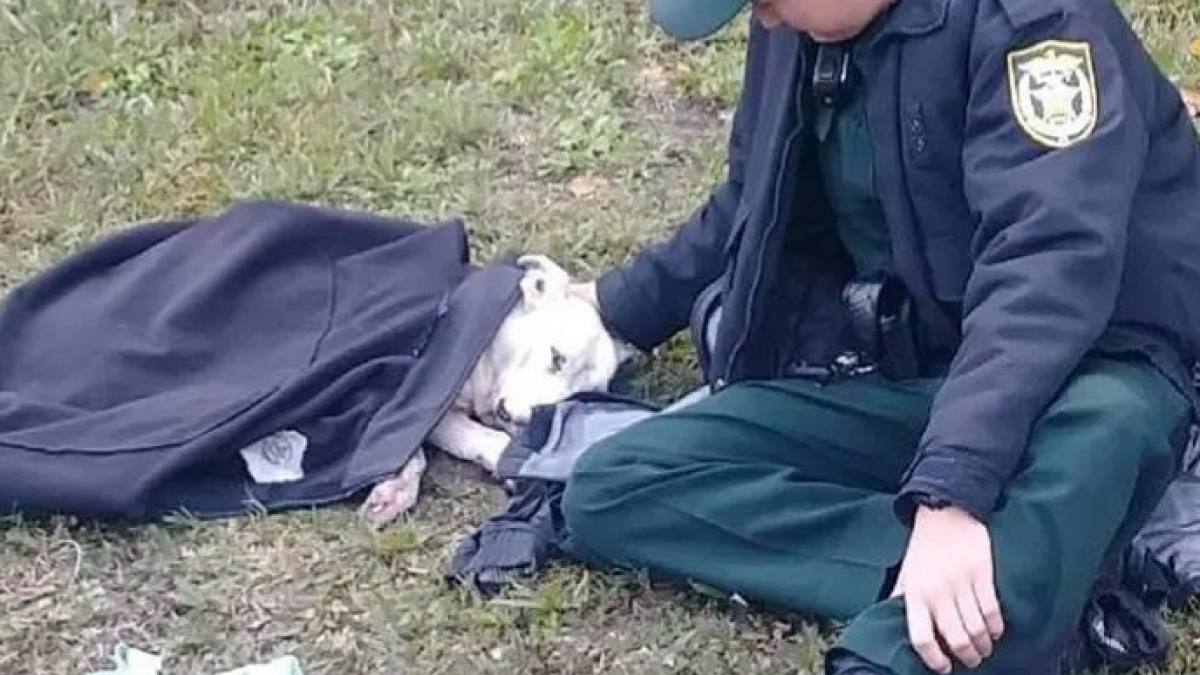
x,y
782,492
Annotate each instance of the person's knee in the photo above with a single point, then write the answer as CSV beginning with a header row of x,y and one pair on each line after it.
x,y
1132,411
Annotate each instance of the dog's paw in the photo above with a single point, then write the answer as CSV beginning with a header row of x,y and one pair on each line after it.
x,y
393,497
488,447
388,501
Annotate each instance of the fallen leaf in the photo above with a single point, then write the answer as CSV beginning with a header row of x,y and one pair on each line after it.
x,y
586,185
653,78
94,84
1194,48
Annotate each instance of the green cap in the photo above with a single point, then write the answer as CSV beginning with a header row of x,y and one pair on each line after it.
x,y
694,19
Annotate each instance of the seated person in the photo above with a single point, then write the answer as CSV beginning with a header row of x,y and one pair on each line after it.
x,y
957,255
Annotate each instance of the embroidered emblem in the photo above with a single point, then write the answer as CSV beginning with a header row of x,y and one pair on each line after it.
x,y
1052,88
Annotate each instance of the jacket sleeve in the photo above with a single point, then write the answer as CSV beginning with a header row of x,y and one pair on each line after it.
x,y
649,298
1048,253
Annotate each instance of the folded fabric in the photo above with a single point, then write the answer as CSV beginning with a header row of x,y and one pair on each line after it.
x,y
524,537
132,661
528,533
1120,630
1164,558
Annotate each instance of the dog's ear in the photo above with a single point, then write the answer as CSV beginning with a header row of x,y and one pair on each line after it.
x,y
544,279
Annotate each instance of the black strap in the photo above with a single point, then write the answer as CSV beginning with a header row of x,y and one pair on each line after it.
x,y
901,358
884,324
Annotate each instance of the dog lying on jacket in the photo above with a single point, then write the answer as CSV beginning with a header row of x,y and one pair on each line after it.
x,y
552,345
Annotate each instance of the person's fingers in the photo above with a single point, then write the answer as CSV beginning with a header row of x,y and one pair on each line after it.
x,y
585,290
921,635
972,621
949,625
989,605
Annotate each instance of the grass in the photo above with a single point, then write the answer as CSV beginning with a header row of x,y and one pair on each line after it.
x,y
568,127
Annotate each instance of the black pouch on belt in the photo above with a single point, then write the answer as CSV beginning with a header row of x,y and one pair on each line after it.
x,y
884,324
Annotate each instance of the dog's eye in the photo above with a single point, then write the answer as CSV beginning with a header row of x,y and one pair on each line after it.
x,y
557,360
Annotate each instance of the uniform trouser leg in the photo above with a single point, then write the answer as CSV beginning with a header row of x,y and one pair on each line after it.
x,y
782,492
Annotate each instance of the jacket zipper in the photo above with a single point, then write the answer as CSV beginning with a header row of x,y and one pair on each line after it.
x,y
769,231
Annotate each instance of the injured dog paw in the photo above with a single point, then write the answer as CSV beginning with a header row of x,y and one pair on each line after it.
x,y
395,496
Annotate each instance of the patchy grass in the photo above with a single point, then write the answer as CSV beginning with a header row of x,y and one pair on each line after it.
x,y
568,127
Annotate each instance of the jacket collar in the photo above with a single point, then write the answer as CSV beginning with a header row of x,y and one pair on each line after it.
x,y
904,17
913,17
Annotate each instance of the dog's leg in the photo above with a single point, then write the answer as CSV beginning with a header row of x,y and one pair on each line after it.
x,y
462,437
396,495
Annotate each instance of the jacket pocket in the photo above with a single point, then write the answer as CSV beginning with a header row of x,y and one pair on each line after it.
x,y
932,148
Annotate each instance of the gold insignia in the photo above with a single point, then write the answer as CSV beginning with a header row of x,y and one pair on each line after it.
x,y
1052,88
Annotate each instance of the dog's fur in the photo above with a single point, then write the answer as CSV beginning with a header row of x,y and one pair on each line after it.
x,y
551,345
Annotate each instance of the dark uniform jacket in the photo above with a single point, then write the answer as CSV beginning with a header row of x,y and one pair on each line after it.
x,y
324,342
1041,181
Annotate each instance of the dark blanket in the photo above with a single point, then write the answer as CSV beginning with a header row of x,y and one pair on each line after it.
x,y
273,355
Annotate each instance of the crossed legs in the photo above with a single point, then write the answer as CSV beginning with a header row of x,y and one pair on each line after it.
x,y
782,492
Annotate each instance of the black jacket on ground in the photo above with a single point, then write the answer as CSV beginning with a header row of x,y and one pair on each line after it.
x,y
133,372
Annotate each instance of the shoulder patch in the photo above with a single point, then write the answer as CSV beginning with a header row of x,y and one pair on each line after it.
x,y
1052,89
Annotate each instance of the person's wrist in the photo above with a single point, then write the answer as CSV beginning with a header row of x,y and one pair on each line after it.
x,y
940,510
585,290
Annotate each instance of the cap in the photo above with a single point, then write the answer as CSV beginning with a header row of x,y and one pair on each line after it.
x,y
694,19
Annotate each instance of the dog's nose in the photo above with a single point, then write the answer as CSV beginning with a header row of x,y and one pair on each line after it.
x,y
502,412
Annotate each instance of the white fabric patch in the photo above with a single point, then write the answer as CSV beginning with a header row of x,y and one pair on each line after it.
x,y
278,458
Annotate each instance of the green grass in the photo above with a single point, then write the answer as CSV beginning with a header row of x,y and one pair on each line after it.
x,y
566,127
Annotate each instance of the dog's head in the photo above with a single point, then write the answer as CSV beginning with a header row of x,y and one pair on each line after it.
x,y
551,346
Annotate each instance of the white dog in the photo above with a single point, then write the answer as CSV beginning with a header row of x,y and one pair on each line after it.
x,y
551,346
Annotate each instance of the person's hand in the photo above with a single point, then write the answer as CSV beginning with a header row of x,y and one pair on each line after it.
x,y
947,582
585,290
